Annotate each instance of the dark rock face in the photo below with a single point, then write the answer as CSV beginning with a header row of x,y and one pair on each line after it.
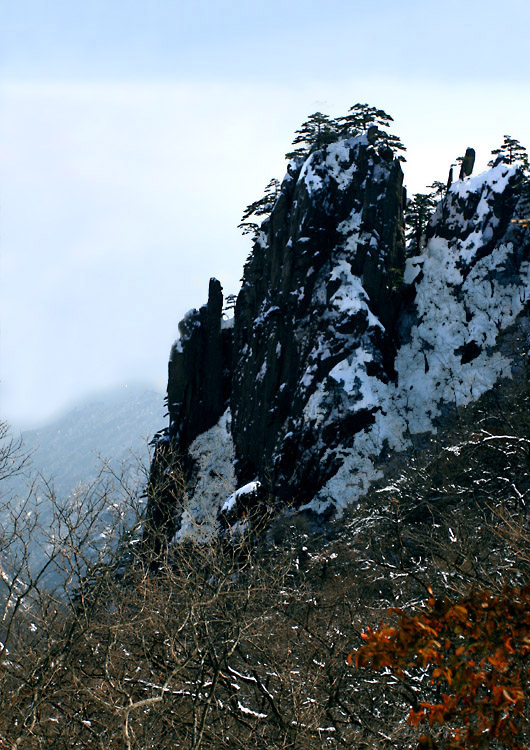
x,y
199,376
336,229
341,351
199,371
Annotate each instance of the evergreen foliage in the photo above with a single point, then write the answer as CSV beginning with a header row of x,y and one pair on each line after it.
x,y
262,207
361,116
392,143
317,131
230,302
511,151
418,211
420,208
438,189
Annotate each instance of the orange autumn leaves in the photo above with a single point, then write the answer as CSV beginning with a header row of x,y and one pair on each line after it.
x,y
476,652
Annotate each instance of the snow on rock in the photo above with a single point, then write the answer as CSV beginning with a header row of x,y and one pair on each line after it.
x,y
468,212
312,180
338,157
450,356
350,298
493,180
452,313
213,452
311,315
329,366
247,489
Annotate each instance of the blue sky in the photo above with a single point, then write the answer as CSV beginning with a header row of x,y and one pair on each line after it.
x,y
242,40
132,135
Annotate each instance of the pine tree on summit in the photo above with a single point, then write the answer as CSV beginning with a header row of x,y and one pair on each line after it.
x,y
319,130
362,118
316,132
392,143
510,152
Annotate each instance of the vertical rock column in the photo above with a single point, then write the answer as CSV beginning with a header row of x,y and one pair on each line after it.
x,y
198,390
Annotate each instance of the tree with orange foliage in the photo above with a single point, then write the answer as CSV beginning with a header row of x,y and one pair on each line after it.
x,y
476,651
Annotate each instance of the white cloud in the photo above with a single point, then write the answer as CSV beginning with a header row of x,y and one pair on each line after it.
x,y
120,201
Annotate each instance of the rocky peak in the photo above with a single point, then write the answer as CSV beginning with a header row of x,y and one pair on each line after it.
x,y
199,371
318,282
342,353
476,213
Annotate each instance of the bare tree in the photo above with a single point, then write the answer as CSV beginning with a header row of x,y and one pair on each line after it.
x,y
243,641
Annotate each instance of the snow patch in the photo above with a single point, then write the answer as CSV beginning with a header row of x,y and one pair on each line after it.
x,y
337,157
496,179
213,451
351,372
313,181
351,298
452,311
247,489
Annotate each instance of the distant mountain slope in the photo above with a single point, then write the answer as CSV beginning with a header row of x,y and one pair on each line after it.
x,y
111,426
111,430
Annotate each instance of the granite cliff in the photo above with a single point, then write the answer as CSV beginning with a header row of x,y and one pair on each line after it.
x,y
342,351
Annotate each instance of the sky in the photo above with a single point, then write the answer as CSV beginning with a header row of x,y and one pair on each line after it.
x,y
134,133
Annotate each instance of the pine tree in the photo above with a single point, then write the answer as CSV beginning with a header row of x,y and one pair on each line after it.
x,y
391,142
437,189
316,132
320,130
230,303
262,207
510,152
418,211
361,116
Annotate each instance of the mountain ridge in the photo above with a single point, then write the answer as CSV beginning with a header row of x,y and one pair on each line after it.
x,y
342,350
